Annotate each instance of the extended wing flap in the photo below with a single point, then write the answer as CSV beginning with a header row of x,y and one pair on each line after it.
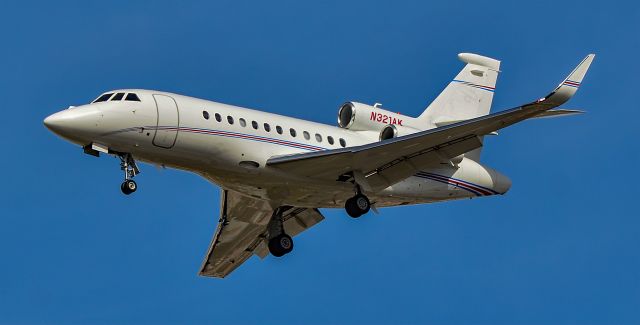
x,y
242,223
242,231
297,220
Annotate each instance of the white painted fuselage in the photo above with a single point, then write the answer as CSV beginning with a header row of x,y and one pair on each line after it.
x,y
230,145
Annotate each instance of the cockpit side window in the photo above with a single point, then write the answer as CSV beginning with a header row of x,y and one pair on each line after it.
x,y
103,98
118,96
132,97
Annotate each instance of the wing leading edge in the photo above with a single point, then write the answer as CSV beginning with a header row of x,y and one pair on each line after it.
x,y
390,161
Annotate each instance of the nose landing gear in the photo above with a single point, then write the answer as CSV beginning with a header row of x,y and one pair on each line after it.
x,y
128,165
128,186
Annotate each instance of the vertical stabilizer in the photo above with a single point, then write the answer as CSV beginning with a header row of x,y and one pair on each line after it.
x,y
468,96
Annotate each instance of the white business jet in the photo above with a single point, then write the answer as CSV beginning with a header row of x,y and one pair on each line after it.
x,y
276,171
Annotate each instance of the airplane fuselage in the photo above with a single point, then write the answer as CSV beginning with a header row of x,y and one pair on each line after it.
x,y
230,145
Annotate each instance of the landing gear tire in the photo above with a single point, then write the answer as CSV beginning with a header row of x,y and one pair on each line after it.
x,y
128,186
280,245
130,168
357,206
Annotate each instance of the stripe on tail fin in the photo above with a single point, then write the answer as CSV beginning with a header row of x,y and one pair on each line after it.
x,y
468,96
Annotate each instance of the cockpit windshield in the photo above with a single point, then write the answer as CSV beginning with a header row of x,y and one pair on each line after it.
x,y
118,96
103,98
132,97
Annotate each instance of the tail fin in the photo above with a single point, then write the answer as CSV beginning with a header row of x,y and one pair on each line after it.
x,y
468,96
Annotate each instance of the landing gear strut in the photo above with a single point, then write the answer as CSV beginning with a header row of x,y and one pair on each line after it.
x,y
279,242
357,205
128,165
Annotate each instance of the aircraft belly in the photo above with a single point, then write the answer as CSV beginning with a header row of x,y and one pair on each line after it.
x,y
418,188
467,180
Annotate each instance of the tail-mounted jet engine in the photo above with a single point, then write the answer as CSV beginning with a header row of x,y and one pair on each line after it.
x,y
391,131
361,117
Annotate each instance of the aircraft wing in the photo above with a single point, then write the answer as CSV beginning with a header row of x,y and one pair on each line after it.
x,y
242,231
378,165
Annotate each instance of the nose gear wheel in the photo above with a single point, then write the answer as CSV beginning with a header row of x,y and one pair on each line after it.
x,y
128,165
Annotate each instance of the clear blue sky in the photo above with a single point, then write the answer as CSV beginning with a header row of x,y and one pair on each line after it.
x,y
560,248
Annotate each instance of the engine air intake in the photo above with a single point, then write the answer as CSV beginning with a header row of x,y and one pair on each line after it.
x,y
346,115
389,132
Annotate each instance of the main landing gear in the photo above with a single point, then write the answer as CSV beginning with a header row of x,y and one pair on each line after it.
x,y
357,205
128,165
279,243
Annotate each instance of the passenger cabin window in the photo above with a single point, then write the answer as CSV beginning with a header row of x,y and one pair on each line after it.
x,y
205,114
117,96
254,124
318,137
230,119
103,98
330,139
267,127
218,117
343,143
243,123
279,129
306,135
292,132
132,97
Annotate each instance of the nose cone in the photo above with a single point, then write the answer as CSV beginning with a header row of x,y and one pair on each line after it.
x,y
55,122
75,124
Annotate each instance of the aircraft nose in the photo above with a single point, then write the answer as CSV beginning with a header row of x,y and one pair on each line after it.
x,y
75,124
55,122
62,122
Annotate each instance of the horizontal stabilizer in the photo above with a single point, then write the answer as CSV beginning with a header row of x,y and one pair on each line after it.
x,y
480,60
559,113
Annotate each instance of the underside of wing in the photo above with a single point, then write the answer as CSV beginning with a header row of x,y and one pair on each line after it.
x,y
385,163
242,231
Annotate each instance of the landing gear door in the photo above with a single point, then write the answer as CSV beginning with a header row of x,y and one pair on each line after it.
x,y
168,121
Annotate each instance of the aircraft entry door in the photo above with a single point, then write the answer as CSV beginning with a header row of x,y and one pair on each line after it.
x,y
168,121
